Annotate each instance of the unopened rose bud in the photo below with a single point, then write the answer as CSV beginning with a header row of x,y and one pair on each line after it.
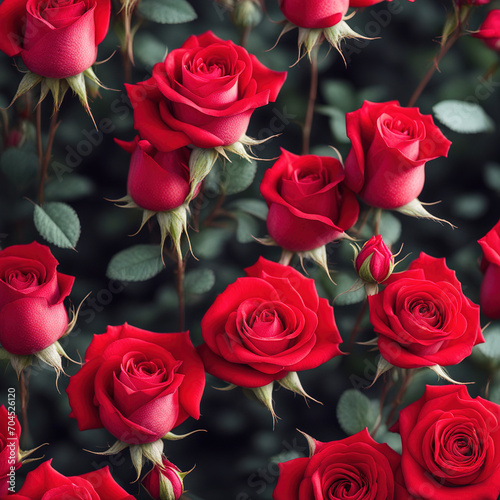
x,y
375,262
247,13
166,484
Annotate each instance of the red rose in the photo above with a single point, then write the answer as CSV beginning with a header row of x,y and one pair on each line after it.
x,y
309,205
266,325
375,262
390,147
422,317
137,384
203,94
46,483
55,38
314,14
157,181
489,297
32,313
356,468
450,445
10,432
168,479
489,31
363,3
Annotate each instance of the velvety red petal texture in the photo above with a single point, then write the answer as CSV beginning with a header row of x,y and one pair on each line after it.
x,y
355,467
309,205
450,445
422,317
489,31
266,325
137,406
157,181
390,147
54,41
32,313
202,94
314,14
45,482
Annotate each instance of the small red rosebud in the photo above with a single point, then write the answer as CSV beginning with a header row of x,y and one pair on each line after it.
x,y
489,31
375,262
166,484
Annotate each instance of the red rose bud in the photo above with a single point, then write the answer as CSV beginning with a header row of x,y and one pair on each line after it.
x,y
166,483
57,38
489,297
390,147
32,292
202,94
157,181
375,262
309,204
314,14
489,31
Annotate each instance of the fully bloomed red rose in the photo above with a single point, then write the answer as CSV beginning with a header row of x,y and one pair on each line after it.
x,y
309,205
356,468
422,318
55,38
390,147
32,313
203,94
45,483
489,297
314,14
450,445
489,31
157,181
10,432
266,325
137,384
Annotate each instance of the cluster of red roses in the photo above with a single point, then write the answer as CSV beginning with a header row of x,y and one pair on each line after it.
x,y
271,323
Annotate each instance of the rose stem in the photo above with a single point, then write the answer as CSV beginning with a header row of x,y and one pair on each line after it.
x,y
47,155
179,274
385,389
407,376
39,148
245,35
355,330
24,393
313,92
445,47
377,216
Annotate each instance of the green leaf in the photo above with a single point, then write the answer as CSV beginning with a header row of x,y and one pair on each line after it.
x,y
137,263
71,187
344,295
199,281
257,208
19,165
492,175
389,228
337,122
148,49
355,412
338,94
58,223
247,228
209,242
491,348
470,206
167,11
238,175
463,117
